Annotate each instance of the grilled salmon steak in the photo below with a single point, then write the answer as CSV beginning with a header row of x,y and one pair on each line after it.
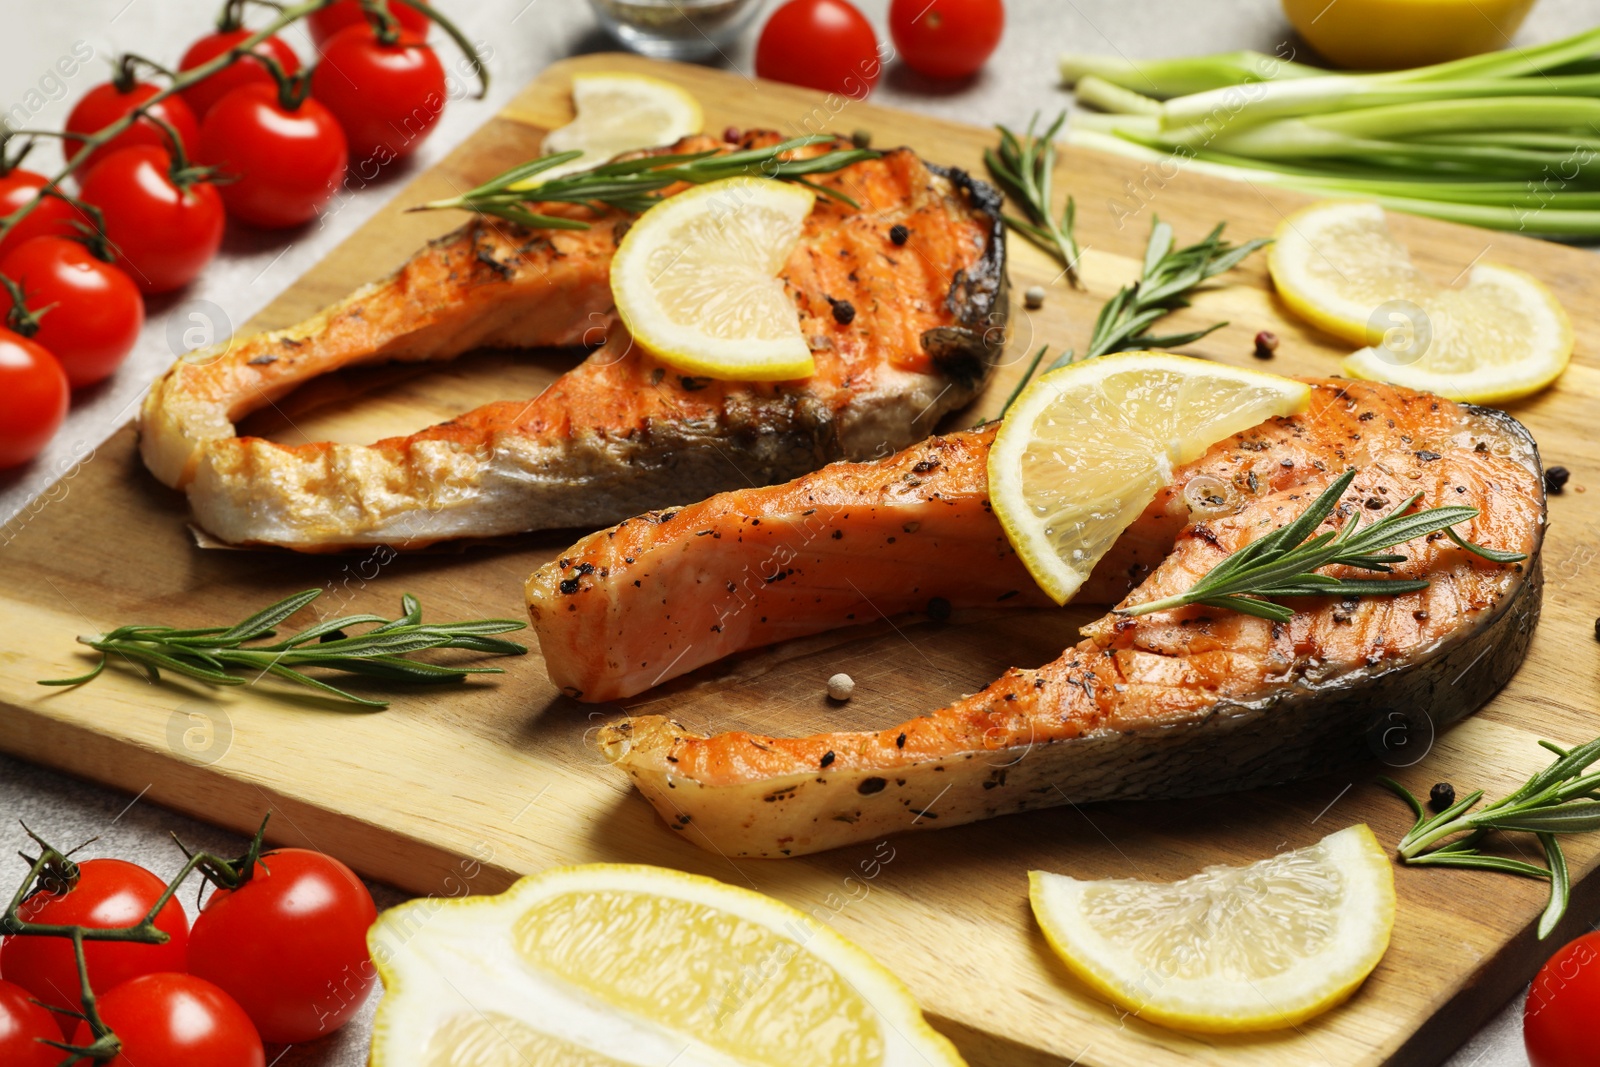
x,y
1176,703
920,261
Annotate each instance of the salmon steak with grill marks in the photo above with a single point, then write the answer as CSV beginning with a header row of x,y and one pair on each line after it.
x,y
1175,703
919,259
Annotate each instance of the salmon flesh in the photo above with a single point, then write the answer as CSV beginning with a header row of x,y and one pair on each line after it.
x,y
1176,703
919,263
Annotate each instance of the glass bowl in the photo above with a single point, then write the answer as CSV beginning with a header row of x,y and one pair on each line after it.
x,y
676,29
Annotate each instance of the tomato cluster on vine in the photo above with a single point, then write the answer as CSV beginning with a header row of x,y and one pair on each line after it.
x,y
249,136
278,958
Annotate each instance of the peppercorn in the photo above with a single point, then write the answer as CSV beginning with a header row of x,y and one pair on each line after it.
x,y
899,234
844,312
841,687
1441,796
861,138
1033,299
1266,344
731,135
1555,479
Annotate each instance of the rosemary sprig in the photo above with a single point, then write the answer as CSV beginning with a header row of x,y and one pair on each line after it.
x,y
1024,166
1284,563
383,652
1166,278
635,185
1564,798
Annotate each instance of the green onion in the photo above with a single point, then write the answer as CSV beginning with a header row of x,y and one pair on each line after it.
x,y
1508,140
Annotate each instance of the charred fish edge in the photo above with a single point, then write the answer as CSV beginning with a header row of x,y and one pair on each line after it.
x,y
979,297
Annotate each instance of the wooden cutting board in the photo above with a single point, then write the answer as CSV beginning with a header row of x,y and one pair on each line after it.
x,y
458,790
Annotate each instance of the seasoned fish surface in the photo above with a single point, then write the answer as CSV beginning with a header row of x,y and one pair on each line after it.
x,y
1176,703
621,432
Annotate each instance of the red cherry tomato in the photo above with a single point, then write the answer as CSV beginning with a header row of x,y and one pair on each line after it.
x,y
52,217
105,104
176,1020
33,400
108,893
946,38
22,1024
286,165
1558,1021
821,44
290,945
335,17
242,71
95,311
388,97
163,235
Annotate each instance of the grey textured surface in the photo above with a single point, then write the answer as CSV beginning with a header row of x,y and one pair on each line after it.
x,y
523,36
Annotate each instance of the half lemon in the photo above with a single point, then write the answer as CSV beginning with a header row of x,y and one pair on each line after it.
x,y
1086,448
615,112
696,280
612,965
1232,948
1500,336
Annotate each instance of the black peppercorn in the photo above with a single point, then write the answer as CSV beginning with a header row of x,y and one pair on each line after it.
x,y
1441,796
1555,479
844,312
1266,344
899,234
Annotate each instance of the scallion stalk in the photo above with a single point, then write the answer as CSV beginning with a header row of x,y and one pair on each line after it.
x,y
1509,140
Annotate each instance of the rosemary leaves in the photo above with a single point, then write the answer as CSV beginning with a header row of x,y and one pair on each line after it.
x,y
636,185
1564,798
382,652
1285,562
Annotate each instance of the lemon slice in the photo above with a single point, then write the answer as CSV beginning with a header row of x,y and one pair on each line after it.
x,y
1232,948
614,965
1499,336
696,280
1085,449
616,113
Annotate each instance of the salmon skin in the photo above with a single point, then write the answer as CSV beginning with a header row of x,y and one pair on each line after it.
x,y
920,262
1176,703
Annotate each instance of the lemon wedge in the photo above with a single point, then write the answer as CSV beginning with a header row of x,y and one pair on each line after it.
x,y
1500,336
1086,448
615,965
1232,948
696,280
616,113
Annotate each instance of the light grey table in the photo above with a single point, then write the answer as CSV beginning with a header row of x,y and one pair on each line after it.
x,y
521,37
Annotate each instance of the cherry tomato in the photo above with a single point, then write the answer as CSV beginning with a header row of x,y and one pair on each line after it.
x,y
176,1020
163,235
33,400
946,38
105,104
95,311
335,17
1558,1021
388,97
242,71
290,945
109,892
286,165
821,44
52,217
22,1024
